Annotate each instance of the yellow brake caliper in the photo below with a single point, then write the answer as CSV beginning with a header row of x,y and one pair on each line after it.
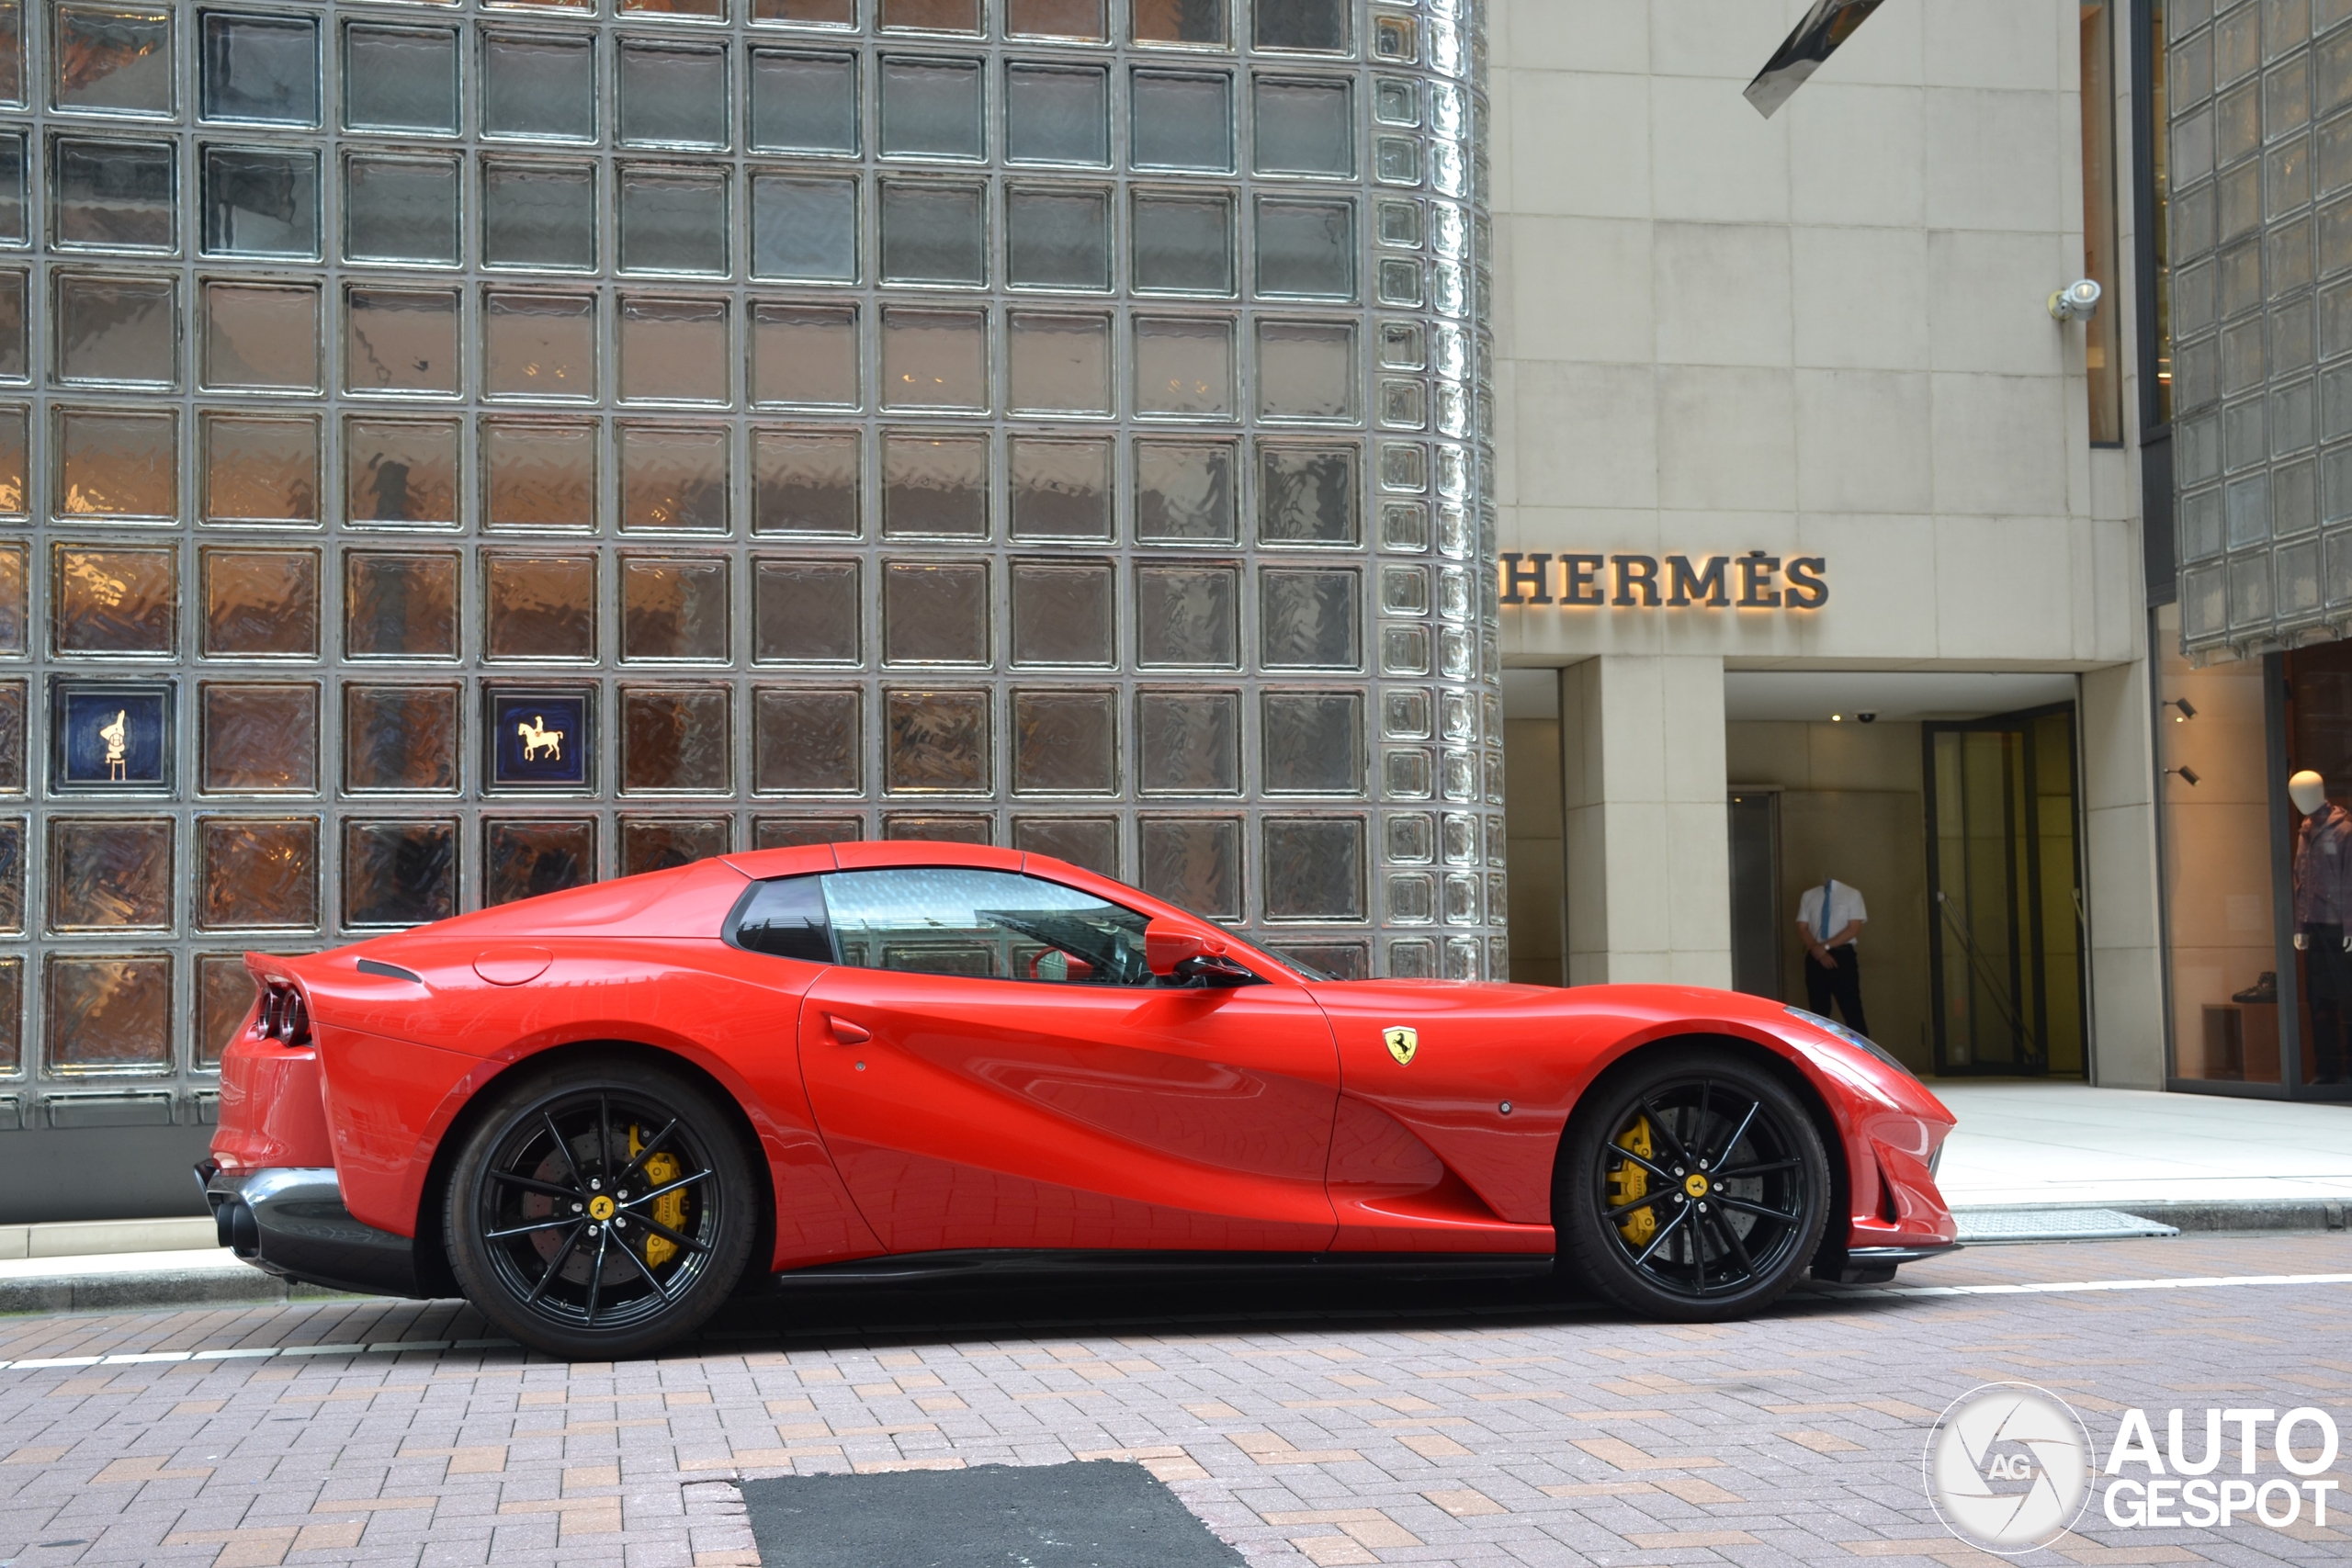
x,y
670,1209
1630,1181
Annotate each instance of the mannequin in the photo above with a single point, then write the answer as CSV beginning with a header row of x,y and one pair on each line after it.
x,y
2323,912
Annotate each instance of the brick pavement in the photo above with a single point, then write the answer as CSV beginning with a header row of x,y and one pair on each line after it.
x,y
1332,1423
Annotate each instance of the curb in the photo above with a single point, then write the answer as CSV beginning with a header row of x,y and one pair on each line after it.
x,y
64,1292
2206,1215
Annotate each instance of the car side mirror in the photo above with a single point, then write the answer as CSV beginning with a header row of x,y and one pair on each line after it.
x,y
1177,953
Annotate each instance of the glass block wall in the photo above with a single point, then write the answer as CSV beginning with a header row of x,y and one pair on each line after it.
x,y
2260,171
453,452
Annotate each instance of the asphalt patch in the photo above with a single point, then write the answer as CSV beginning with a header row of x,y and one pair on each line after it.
x,y
1098,1514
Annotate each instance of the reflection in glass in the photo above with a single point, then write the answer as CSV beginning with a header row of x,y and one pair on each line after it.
x,y
114,599
935,611
1193,862
804,611
1187,615
933,234
1061,613
399,739
808,13
674,607
1307,249
807,742
261,202
1184,492
934,485
790,832
1188,742
1185,367
109,874
1059,364
1307,370
400,79
1322,25
936,742
1057,114
1302,126
12,736
1307,495
1183,243
804,228
933,15
1182,119
12,60
115,195
1313,742
260,469
938,827
400,605
116,465
539,85
399,873
16,443
261,337
1057,238
804,102
804,355
1308,619
1314,868
805,482
934,359
399,208
539,473
256,875
107,1014
1065,742
673,93
674,350
263,69
15,560
401,470
400,339
1180,21
1091,842
677,740
539,215
538,346
260,603
224,998
673,219
930,107
111,58
673,478
255,739
15,173
660,843
116,330
1055,19
540,607
1060,490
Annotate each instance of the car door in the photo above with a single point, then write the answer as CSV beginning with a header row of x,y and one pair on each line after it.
x,y
992,1065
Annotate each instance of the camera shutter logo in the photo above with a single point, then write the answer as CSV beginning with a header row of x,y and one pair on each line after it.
x,y
2008,1467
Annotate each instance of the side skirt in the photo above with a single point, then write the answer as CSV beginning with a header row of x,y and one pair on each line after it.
x,y
989,1264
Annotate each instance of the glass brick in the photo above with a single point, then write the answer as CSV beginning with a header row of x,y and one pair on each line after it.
x,y
1185,367
1399,281
1193,862
1058,363
109,874
808,482
539,86
1061,613
804,355
934,233
673,219
114,599
663,843
261,337
1065,742
1307,249
677,740
12,60
224,998
936,742
400,341
1182,243
673,93
807,741
1323,27
538,346
1404,650
1404,405
540,607
539,473
400,739
934,486
12,737
1403,346
398,873
261,69
1202,22
1091,842
402,472
400,605
1184,492
1404,591
116,331
1308,619
523,858
260,603
112,58
15,561
1307,495
674,607
1302,126
539,215
1057,238
2237,124
1060,490
791,832
256,875
1080,19
106,1014
400,208
934,612
120,196
400,79
1314,868
804,611
673,479
938,827
1187,616
932,16
698,10
261,202
260,469
1395,100
674,350
804,228
1058,114
255,739
807,13
1188,742
930,107
1307,370
16,452
16,193
539,738
804,102
934,359
1313,742
1181,120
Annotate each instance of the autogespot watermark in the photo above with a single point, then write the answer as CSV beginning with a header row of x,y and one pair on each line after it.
x,y
2010,1468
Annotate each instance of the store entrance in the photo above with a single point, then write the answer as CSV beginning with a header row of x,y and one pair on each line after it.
x,y
2005,951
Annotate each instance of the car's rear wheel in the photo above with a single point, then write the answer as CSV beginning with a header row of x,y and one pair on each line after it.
x,y
1691,1184
601,1211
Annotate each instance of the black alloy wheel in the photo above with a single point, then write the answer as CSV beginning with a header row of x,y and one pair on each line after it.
x,y
1691,1184
602,1210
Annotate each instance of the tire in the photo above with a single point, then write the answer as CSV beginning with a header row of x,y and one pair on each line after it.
x,y
662,1202
1713,1246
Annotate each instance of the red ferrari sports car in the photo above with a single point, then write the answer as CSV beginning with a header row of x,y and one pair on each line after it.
x,y
598,1114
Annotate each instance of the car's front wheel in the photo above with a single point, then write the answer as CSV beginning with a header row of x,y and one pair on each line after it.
x,y
601,1211
1691,1184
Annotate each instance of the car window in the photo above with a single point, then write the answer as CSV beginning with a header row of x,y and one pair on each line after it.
x,y
993,925
785,917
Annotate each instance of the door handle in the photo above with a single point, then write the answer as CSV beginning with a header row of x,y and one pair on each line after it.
x,y
846,1032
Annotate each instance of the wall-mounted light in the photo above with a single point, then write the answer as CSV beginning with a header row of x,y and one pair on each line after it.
x,y
2187,775
2075,302
2186,712
1836,718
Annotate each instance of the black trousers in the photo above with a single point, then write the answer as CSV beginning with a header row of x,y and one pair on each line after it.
x,y
1843,984
2327,970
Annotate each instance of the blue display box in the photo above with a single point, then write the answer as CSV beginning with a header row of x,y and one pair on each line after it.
x,y
540,739
112,738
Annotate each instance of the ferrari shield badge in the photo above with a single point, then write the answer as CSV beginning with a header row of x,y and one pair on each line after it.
x,y
1402,1044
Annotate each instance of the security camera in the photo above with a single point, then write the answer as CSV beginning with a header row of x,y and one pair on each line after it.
x,y
1867,717
2078,301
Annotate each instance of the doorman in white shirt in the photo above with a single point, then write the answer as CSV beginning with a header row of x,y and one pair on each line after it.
x,y
1831,916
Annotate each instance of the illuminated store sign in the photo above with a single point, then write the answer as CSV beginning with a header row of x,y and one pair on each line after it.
x,y
1752,582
